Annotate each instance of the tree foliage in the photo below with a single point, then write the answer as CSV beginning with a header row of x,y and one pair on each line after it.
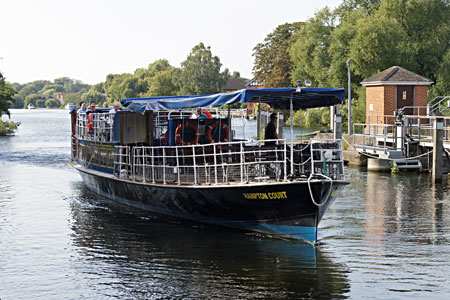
x,y
272,60
6,96
377,34
43,89
200,73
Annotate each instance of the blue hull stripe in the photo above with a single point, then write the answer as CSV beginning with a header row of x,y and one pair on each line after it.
x,y
308,234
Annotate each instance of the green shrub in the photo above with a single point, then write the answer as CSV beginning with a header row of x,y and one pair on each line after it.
x,y
8,127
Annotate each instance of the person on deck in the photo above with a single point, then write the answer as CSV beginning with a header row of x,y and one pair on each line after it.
x,y
271,130
115,108
82,109
91,108
112,113
199,114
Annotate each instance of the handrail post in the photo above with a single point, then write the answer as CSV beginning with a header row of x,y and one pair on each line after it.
x,y
143,164
285,161
241,154
178,166
164,165
292,134
215,164
153,165
194,165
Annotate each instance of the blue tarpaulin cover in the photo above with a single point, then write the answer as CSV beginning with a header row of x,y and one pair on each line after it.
x,y
278,98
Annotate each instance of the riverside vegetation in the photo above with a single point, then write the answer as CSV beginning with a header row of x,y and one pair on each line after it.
x,y
377,34
6,100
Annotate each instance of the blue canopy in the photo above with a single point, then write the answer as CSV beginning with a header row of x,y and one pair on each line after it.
x,y
276,98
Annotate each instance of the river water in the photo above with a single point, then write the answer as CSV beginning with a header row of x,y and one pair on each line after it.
x,y
386,237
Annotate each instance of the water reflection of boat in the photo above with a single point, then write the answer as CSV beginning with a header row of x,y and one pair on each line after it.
x,y
155,156
148,255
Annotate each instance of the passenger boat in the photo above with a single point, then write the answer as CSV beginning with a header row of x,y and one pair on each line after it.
x,y
153,155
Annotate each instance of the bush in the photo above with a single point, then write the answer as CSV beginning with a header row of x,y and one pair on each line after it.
x,y
8,127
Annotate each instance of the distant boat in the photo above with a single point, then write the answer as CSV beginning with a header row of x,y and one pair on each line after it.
x,y
70,106
31,106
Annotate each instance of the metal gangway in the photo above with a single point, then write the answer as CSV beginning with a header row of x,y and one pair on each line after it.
x,y
398,138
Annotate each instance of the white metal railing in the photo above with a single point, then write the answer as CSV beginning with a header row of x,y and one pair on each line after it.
x,y
420,128
385,137
225,163
208,164
327,158
96,127
376,137
122,163
439,103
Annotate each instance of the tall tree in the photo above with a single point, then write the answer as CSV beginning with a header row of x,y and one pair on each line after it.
x,y
200,72
6,96
272,60
309,52
426,25
163,83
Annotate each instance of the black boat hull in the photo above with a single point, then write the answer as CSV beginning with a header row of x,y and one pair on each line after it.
x,y
283,209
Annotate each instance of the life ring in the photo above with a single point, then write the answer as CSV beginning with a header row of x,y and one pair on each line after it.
x,y
210,132
90,123
205,112
180,134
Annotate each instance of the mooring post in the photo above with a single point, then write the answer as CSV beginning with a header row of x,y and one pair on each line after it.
x,y
438,148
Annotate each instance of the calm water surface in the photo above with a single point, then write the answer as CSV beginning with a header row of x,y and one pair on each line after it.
x,y
386,237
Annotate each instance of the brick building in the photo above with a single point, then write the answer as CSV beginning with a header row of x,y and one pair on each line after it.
x,y
393,89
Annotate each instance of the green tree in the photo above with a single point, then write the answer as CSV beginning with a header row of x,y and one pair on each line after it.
x,y
379,43
309,52
40,103
426,27
6,96
442,86
72,97
163,83
200,72
30,99
99,88
56,88
272,60
52,103
92,96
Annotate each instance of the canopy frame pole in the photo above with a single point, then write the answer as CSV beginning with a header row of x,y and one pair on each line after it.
x,y
292,135
258,120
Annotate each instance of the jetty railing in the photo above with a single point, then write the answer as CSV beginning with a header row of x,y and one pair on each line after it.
x,y
376,137
96,127
232,162
388,137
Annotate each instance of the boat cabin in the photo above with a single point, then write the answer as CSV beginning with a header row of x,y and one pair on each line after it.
x,y
191,140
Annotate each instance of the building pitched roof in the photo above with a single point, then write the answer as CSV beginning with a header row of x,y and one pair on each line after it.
x,y
234,84
396,76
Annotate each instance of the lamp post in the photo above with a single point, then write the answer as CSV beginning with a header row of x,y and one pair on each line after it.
x,y
349,131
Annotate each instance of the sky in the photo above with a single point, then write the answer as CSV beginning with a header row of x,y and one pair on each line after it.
x,y
89,39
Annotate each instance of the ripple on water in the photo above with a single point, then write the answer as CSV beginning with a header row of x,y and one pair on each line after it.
x,y
385,237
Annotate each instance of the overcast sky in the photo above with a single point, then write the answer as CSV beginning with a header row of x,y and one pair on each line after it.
x,y
89,39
